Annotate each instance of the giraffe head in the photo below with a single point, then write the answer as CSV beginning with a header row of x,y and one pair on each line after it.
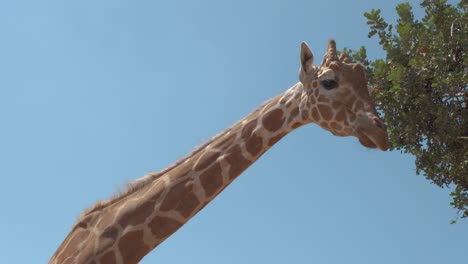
x,y
337,98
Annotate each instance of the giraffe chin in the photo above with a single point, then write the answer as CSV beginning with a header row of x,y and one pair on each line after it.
x,y
378,138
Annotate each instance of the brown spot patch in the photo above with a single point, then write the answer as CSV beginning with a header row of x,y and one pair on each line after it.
x,y
296,125
254,145
305,115
336,104
181,198
315,114
323,99
325,111
316,93
212,179
237,161
110,233
314,84
108,258
335,126
324,125
275,139
132,247
253,142
206,159
136,216
162,227
341,115
273,120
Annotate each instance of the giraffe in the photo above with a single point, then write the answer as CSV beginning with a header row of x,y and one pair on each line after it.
x,y
129,225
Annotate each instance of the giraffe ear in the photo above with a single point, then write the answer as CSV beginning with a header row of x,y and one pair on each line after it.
x,y
306,57
306,61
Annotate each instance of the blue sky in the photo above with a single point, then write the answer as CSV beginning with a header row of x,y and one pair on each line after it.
x,y
94,94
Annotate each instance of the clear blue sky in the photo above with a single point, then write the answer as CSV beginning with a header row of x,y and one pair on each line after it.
x,y
94,94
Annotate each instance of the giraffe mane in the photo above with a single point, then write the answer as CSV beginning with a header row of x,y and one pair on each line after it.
x,y
142,182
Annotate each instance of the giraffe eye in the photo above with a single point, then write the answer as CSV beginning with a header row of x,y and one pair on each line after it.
x,y
329,84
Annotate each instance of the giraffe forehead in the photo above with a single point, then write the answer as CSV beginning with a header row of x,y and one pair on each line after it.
x,y
356,78
326,73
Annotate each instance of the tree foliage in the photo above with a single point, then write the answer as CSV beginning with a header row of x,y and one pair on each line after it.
x,y
421,88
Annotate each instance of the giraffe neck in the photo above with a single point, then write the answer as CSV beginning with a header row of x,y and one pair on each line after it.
x,y
125,230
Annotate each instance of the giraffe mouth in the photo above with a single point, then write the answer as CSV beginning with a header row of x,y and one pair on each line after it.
x,y
373,138
371,132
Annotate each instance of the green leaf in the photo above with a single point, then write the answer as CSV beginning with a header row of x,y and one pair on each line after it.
x,y
420,88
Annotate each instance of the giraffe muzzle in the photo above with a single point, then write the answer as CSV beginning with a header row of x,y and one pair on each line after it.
x,y
372,132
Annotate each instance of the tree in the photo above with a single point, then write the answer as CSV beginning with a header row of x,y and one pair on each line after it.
x,y
421,89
